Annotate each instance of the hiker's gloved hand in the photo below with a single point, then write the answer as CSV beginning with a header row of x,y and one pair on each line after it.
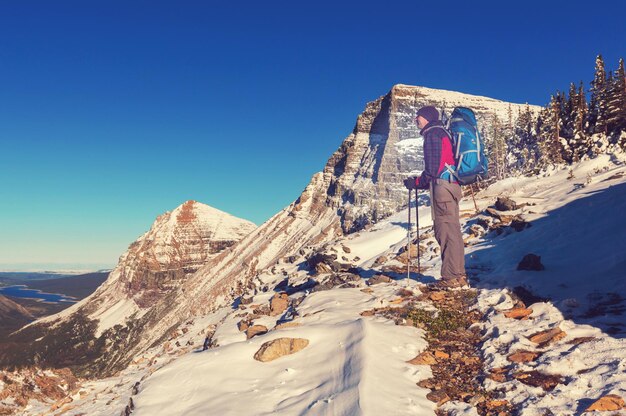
x,y
411,183
420,183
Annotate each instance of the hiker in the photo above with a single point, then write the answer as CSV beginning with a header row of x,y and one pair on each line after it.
x,y
445,194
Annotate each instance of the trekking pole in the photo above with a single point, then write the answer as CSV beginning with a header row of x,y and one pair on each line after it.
x,y
475,206
417,224
408,242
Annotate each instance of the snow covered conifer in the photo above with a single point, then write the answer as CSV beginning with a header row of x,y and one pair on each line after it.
x,y
497,149
526,139
616,103
598,104
580,142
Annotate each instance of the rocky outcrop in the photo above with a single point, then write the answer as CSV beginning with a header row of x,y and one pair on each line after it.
x,y
280,347
365,173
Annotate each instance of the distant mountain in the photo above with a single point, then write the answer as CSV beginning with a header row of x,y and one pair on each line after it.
x,y
79,286
178,243
12,315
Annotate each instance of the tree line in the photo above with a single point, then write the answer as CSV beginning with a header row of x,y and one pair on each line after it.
x,y
569,128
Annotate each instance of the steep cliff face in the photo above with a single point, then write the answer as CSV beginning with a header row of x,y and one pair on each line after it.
x,y
385,147
360,184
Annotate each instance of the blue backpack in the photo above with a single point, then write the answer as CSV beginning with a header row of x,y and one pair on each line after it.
x,y
468,147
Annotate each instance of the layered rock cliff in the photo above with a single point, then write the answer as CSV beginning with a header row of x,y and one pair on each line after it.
x,y
156,264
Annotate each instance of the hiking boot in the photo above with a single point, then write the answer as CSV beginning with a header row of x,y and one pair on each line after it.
x,y
451,283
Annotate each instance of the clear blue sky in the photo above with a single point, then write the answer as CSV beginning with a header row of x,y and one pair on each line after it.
x,y
112,112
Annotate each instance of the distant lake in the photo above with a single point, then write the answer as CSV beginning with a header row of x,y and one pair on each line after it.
x,y
21,291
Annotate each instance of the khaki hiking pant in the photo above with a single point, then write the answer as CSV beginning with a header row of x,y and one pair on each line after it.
x,y
445,197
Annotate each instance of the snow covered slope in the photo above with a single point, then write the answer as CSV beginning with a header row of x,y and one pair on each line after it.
x,y
356,362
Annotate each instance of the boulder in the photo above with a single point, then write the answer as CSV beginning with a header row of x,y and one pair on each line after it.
x,y
438,396
610,402
536,379
518,313
379,278
279,304
548,336
380,260
504,203
425,358
523,356
531,262
280,347
255,330
243,325
289,324
437,296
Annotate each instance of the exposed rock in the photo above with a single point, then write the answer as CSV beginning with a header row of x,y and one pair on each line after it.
x,y
321,263
425,358
342,279
380,260
379,278
346,249
279,304
289,324
438,396
526,297
548,336
429,383
536,379
279,347
580,340
246,301
243,325
519,224
523,356
610,402
437,296
504,203
441,354
531,262
494,404
255,330
518,313
498,374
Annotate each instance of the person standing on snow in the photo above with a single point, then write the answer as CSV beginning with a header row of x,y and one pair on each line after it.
x,y
445,194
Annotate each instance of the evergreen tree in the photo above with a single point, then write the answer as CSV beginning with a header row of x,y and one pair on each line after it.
x,y
616,101
580,143
497,149
552,143
598,103
542,132
526,150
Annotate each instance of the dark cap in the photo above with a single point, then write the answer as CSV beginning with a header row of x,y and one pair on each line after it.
x,y
429,112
